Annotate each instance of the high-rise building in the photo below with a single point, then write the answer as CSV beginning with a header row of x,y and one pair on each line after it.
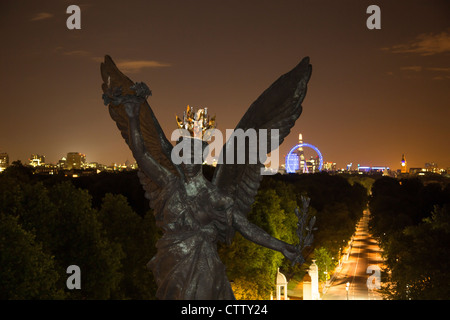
x,y
75,160
37,160
404,166
329,166
61,163
4,161
301,155
312,164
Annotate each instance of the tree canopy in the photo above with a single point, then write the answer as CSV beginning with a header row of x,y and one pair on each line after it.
x,y
104,225
411,220
50,226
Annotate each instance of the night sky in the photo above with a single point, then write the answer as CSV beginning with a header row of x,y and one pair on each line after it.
x,y
373,94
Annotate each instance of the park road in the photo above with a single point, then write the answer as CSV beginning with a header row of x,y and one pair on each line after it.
x,y
350,281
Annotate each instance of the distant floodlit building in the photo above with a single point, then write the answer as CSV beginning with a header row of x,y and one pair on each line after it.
x,y
36,160
431,167
61,163
4,161
380,169
329,166
312,165
75,160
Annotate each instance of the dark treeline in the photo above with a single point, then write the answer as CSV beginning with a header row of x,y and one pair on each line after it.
x,y
411,219
103,224
50,223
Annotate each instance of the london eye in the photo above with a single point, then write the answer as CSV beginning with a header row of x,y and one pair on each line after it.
x,y
293,162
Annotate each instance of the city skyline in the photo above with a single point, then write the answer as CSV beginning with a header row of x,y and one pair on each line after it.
x,y
374,95
36,160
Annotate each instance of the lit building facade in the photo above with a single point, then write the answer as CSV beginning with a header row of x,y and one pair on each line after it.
x,y
376,169
329,166
4,161
431,167
75,160
312,164
36,160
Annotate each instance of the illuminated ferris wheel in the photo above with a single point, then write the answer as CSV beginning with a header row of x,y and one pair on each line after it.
x,y
293,160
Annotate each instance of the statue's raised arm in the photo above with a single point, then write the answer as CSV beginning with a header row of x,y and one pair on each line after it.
x,y
128,107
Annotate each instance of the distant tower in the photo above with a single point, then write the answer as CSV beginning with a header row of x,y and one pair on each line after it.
x,y
301,155
404,167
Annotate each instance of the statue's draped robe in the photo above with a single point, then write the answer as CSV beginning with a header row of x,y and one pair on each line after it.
x,y
187,265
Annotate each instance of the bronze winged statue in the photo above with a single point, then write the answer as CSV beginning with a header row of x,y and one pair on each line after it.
x,y
193,212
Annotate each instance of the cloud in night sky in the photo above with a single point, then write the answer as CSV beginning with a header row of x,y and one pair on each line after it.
x,y
440,73
42,16
125,65
412,68
439,69
137,65
425,44
79,53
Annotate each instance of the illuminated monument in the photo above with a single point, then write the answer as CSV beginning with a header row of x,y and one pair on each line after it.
x,y
193,212
404,166
295,160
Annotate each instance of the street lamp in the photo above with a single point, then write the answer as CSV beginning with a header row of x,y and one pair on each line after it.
x,y
346,288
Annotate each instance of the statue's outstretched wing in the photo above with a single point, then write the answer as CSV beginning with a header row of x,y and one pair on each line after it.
x,y
155,141
278,107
